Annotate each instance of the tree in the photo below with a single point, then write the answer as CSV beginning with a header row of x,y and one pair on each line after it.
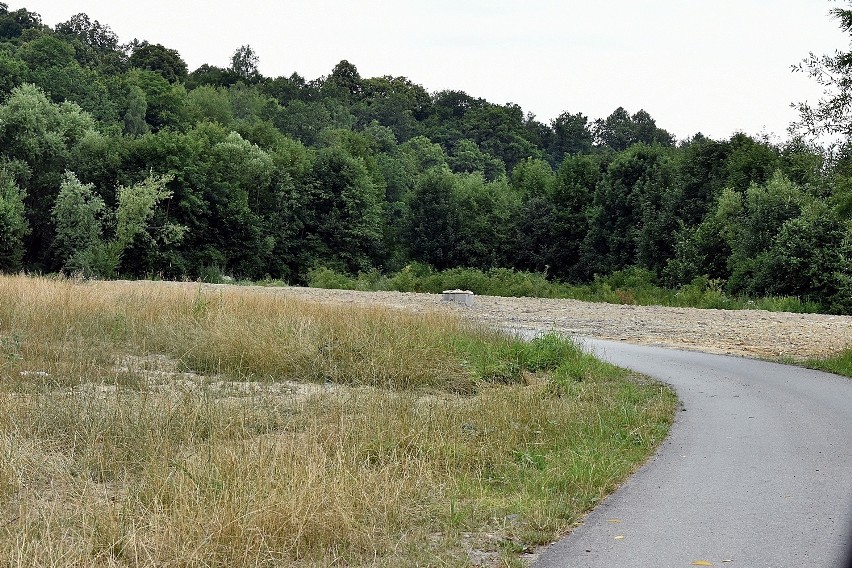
x,y
46,51
553,220
284,89
750,222
571,135
91,33
12,73
434,219
809,258
13,24
500,131
702,174
248,103
423,154
40,136
134,116
345,76
616,131
394,102
244,63
166,102
646,131
832,115
78,216
211,103
467,157
154,57
444,121
211,75
82,219
749,161
13,223
533,178
342,216
631,221
95,44
487,213
620,130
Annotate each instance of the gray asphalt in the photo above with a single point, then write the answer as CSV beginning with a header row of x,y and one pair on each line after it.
x,y
756,472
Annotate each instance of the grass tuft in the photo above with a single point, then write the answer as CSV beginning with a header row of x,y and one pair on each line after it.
x,y
840,364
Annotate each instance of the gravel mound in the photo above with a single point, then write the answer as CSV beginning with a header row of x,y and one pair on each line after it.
x,y
753,333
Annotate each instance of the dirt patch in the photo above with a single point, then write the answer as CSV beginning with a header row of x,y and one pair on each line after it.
x,y
754,333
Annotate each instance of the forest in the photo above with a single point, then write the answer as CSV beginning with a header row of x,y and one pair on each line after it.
x,y
117,161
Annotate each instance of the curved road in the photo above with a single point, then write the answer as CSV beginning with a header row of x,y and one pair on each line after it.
x,y
757,471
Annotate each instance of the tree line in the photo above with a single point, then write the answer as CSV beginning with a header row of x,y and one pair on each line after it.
x,y
115,160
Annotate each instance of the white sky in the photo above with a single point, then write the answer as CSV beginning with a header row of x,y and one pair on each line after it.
x,y
714,66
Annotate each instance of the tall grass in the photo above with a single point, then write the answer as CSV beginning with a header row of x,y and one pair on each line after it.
x,y
148,424
632,286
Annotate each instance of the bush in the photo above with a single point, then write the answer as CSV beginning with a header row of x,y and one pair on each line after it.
x,y
327,278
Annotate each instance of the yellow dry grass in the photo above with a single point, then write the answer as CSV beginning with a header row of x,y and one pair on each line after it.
x,y
154,424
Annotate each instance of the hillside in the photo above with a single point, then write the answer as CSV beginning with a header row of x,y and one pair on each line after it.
x,y
116,160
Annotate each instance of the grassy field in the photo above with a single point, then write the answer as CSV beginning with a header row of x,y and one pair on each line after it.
x,y
165,424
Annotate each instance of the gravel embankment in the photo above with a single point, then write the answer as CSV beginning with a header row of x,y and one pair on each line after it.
x,y
753,333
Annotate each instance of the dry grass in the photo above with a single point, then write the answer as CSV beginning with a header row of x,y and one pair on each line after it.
x,y
151,424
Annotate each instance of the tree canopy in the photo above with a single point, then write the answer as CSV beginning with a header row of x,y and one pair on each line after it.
x,y
115,160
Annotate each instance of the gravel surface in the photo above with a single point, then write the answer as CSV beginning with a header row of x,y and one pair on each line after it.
x,y
753,333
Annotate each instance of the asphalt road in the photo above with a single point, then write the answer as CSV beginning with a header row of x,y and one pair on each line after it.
x,y
756,473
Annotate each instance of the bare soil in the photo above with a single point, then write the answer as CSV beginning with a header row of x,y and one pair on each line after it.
x,y
751,333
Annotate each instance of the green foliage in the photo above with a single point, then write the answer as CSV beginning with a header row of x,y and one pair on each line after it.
x,y
467,157
154,57
134,116
78,216
326,278
14,24
283,177
830,116
632,216
136,206
571,135
95,45
166,102
620,130
342,212
82,218
13,223
547,352
751,224
244,63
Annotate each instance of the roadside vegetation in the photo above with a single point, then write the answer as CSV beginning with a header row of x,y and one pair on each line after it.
x,y
840,364
162,423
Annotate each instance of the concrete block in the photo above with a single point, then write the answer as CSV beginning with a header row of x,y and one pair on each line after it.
x,y
462,297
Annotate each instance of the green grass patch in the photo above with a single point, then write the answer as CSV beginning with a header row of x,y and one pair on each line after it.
x,y
840,364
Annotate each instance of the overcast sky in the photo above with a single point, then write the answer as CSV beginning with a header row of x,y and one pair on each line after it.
x,y
714,66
